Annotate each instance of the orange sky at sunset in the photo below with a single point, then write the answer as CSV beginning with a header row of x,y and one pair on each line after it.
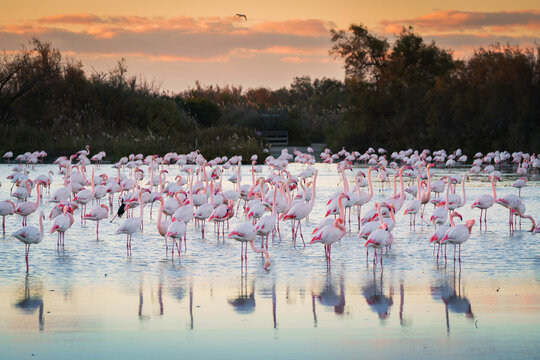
x,y
175,43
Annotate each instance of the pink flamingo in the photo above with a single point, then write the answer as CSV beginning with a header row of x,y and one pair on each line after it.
x,y
382,237
457,234
221,214
512,202
22,193
485,201
131,225
378,239
162,226
413,206
97,213
245,233
7,207
61,224
30,235
329,235
520,183
267,223
27,207
300,211
363,197
176,230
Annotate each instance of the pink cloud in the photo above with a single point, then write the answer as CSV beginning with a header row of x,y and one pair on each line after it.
x,y
468,20
311,27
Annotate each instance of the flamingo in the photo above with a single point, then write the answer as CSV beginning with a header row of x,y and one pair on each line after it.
x,y
425,194
378,239
519,183
413,206
162,226
267,223
512,202
7,207
97,213
329,221
485,201
98,191
61,224
221,214
23,192
372,225
363,197
300,211
27,207
455,201
83,197
457,234
398,200
176,230
30,235
131,225
245,233
329,235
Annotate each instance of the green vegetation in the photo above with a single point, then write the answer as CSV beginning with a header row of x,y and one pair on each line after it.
x,y
400,94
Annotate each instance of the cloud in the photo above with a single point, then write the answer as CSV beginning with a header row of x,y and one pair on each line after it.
x,y
175,39
454,20
311,27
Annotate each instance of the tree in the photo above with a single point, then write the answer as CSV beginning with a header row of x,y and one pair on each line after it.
x,y
365,54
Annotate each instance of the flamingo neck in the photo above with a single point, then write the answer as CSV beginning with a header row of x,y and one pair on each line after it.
x,y
370,184
312,201
463,187
238,176
37,195
274,201
140,204
191,188
379,212
92,181
261,183
345,183
340,206
418,188
41,225
401,185
395,184
493,187
160,212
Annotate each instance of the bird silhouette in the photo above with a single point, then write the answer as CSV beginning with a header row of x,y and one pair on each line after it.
x,y
240,16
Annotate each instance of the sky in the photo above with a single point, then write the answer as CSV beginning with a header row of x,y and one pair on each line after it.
x,y
176,43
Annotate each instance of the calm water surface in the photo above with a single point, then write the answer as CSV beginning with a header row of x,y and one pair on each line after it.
x,y
92,301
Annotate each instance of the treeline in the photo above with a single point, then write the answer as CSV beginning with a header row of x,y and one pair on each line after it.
x,y
400,94
48,102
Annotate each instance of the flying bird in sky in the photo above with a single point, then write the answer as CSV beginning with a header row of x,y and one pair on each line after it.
x,y
241,15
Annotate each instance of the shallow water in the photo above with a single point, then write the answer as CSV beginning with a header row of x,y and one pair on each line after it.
x,y
92,301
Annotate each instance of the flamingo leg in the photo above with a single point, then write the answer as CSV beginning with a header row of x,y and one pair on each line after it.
x,y
301,235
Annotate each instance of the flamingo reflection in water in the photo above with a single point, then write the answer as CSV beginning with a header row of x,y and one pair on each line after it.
x,y
328,296
244,302
28,303
452,297
375,298
159,300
